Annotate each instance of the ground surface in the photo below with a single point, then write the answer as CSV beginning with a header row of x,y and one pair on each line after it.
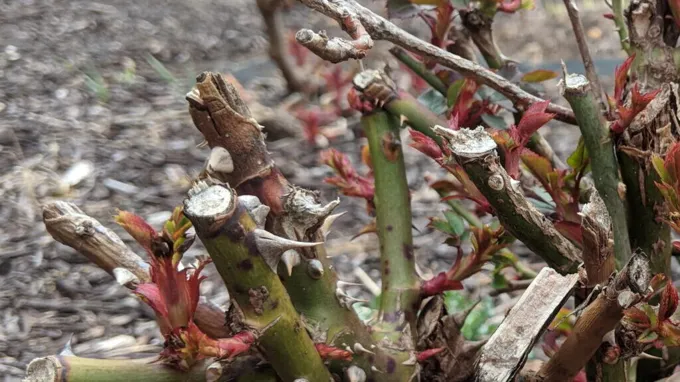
x,y
78,91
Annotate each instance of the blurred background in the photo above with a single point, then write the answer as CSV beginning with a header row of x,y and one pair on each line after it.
x,y
92,111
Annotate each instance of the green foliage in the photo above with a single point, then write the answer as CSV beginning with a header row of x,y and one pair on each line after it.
x,y
96,84
434,101
476,325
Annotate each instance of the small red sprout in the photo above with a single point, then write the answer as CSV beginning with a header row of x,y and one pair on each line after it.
x,y
513,140
425,354
330,352
623,114
347,179
173,294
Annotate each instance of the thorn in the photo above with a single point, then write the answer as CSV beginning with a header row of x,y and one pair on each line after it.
x,y
67,349
315,269
402,120
271,246
360,348
269,325
342,283
256,209
203,144
649,356
326,226
213,372
460,317
411,360
368,228
290,258
125,278
355,374
349,349
220,161
377,370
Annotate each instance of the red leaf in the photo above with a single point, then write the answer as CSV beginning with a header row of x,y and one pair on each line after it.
x,y
425,354
349,182
672,163
669,302
425,145
621,77
151,295
532,119
138,228
331,352
571,230
510,6
675,11
439,284
609,16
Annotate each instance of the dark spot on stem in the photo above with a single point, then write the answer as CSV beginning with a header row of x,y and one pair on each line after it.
x,y
408,251
391,317
273,304
245,265
386,267
250,244
391,365
389,228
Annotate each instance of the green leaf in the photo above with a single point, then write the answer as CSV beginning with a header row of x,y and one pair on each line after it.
x,y
539,75
365,313
434,101
455,222
648,336
651,314
499,281
658,164
454,91
485,92
443,226
579,158
495,121
528,4
475,325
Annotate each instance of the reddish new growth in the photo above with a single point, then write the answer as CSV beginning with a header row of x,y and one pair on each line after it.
x,y
313,118
358,101
566,218
425,354
337,81
509,6
669,172
347,179
467,110
328,352
485,242
514,139
623,114
439,25
655,327
464,188
173,294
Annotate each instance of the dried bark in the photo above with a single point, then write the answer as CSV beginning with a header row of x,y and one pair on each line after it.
x,y
504,355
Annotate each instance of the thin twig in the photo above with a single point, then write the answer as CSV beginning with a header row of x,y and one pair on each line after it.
x,y
621,28
580,35
379,28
